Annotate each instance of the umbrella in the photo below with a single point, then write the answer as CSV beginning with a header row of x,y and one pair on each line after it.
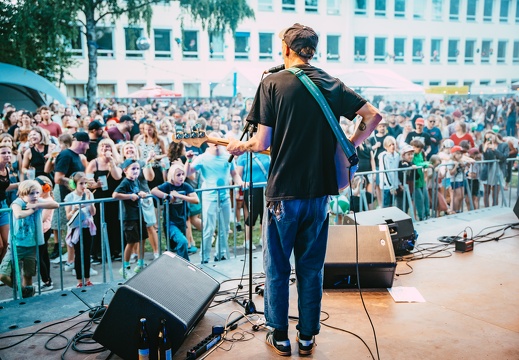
x,y
154,92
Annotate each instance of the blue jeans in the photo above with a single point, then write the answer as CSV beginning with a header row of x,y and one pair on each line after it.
x,y
421,203
300,226
178,241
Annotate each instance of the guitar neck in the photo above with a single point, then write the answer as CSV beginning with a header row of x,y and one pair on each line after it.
x,y
225,142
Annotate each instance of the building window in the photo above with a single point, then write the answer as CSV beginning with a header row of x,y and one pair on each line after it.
x,y
311,6
360,48
168,86
399,50
241,45
380,7
265,46
332,47
76,90
501,51
191,90
360,7
419,9
380,50
484,82
435,50
454,10
75,44
503,11
437,9
216,45
288,5
453,52
452,83
517,12
472,6
486,46
106,90
133,87
162,39
468,83
488,6
515,56
105,41
333,7
265,5
131,35
469,51
434,83
400,8
190,44
500,81
417,50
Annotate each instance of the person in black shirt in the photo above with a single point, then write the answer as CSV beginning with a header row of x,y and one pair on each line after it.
x,y
302,175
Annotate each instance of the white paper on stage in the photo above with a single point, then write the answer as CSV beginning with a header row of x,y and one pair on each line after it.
x,y
405,294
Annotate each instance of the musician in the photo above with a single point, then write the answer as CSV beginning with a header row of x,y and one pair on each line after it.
x,y
301,178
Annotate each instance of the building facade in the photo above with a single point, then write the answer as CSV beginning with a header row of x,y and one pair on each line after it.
x,y
430,42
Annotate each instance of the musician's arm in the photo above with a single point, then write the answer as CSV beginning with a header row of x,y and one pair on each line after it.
x,y
259,142
368,123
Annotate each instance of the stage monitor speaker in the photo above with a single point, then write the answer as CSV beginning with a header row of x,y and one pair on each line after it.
x,y
169,288
400,225
376,259
516,208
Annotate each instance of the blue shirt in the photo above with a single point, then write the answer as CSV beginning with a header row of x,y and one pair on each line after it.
x,y
27,231
258,176
215,171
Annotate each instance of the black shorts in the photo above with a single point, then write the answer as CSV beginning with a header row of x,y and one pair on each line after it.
x,y
257,205
131,231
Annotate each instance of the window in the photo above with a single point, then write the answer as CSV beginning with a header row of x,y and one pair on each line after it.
x,y
484,82
190,44
418,82
216,45
515,53
437,9
501,51
472,6
517,12
265,46
75,44
435,50
311,6
133,87
488,6
452,83
360,7
503,10
419,9
400,8
399,49
106,90
360,48
105,41
191,90
265,5
332,47
454,10
486,45
468,83
76,90
500,81
162,38
131,34
453,52
241,45
434,83
169,85
380,7
380,49
417,50
333,7
469,51
288,5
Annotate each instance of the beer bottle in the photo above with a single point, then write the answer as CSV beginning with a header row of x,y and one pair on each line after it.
x,y
144,341
164,342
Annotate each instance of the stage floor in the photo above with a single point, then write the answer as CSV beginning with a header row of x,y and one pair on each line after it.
x,y
470,311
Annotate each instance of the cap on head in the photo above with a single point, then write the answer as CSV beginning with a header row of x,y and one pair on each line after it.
x,y
448,143
81,136
495,128
405,149
95,125
419,121
457,113
125,118
127,163
298,37
456,149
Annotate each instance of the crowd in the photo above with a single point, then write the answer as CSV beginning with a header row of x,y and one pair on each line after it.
x,y
129,151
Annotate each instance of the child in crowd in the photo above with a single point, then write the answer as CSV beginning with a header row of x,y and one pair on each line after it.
x,y
134,226
27,233
421,199
434,181
456,169
178,194
80,217
46,187
406,162
473,174
389,160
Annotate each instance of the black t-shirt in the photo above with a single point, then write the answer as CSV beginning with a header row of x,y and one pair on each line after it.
x,y
379,150
67,162
303,144
395,131
91,153
131,208
424,137
177,210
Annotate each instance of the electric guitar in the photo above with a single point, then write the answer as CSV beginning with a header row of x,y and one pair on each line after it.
x,y
198,137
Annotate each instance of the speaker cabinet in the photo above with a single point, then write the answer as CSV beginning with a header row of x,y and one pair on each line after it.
x,y
376,257
516,208
169,288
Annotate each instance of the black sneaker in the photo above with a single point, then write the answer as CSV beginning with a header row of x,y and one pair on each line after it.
x,y
306,347
223,258
238,227
95,261
28,291
281,347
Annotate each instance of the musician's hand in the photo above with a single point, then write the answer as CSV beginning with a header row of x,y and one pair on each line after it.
x,y
236,147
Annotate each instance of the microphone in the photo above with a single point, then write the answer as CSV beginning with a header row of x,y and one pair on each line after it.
x,y
274,69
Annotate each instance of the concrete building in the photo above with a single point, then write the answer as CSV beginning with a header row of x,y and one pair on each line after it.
x,y
430,42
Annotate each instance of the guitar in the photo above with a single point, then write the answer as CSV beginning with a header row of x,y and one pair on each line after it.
x,y
198,137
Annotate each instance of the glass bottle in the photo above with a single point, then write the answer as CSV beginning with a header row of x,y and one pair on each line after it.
x,y
144,341
164,347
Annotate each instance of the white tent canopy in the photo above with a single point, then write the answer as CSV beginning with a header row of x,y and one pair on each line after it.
x,y
227,86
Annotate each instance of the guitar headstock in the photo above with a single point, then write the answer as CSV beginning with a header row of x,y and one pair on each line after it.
x,y
193,138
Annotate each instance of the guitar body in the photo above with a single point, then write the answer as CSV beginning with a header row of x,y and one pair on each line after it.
x,y
345,172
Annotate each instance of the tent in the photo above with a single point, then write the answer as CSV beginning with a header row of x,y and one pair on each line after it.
x,y
235,82
25,89
153,92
